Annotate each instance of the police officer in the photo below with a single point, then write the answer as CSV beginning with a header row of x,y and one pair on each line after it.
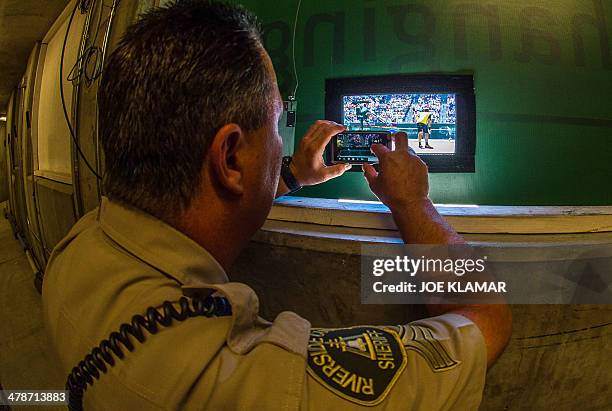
x,y
188,121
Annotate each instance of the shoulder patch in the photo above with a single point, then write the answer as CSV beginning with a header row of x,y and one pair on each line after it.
x,y
360,364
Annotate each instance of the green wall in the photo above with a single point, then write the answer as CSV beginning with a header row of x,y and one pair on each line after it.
x,y
543,77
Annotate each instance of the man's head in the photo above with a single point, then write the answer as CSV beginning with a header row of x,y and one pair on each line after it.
x,y
188,110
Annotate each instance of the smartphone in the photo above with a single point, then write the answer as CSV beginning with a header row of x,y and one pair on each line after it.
x,y
354,146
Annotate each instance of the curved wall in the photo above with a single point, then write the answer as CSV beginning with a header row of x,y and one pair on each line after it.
x,y
11,132
50,186
4,185
53,151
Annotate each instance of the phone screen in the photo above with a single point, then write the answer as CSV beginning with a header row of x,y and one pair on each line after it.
x,y
354,147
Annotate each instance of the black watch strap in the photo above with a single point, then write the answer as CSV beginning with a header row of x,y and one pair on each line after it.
x,y
288,177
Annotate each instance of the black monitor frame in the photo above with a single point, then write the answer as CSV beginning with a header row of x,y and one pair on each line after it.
x,y
463,160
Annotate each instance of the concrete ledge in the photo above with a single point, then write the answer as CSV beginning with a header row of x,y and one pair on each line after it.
x,y
347,240
54,176
466,219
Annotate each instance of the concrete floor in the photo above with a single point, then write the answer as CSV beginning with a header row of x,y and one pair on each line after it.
x,y
25,360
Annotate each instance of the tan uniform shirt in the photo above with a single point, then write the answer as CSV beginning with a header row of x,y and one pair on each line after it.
x,y
117,261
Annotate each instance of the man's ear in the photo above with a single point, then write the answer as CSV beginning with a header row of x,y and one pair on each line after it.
x,y
226,160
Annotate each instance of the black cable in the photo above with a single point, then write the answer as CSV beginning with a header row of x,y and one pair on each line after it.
x,y
83,68
61,85
102,355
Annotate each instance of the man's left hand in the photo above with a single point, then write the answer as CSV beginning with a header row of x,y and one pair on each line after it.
x,y
307,164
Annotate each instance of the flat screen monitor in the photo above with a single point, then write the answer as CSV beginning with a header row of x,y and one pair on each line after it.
x,y
436,111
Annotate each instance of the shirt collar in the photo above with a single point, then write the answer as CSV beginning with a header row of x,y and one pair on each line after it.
x,y
160,245
177,256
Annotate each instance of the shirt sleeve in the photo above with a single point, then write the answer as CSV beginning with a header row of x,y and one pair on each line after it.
x,y
436,363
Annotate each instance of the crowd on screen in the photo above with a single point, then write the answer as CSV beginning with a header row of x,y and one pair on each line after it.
x,y
394,109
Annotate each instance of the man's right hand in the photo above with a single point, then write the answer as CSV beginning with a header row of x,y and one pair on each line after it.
x,y
402,178
402,184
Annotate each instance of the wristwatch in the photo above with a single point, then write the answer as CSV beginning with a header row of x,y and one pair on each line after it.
x,y
290,181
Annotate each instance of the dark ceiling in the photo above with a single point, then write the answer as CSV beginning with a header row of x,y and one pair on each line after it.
x,y
22,23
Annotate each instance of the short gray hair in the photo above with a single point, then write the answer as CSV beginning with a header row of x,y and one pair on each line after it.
x,y
179,74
